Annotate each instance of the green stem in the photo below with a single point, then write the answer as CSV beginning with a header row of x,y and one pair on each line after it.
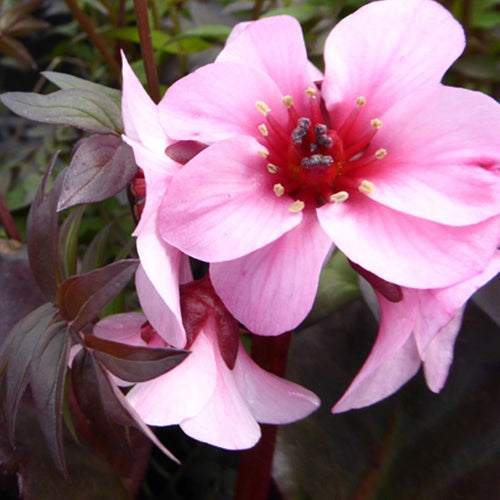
x,y
141,12
254,476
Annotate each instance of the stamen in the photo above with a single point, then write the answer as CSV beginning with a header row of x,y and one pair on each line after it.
x,y
323,161
264,153
380,153
263,129
376,124
339,197
322,138
262,107
271,168
300,130
279,190
311,92
287,100
297,206
360,101
366,187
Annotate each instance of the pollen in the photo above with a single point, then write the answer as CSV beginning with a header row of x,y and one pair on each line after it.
x,y
264,153
339,197
360,101
311,93
271,168
279,190
263,129
376,124
380,153
366,187
287,100
297,206
262,108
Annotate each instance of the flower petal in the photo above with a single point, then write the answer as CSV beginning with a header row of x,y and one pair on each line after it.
x,y
272,400
385,51
124,328
218,101
272,289
407,250
221,205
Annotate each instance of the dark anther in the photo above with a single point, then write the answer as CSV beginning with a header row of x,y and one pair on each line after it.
x,y
313,161
322,138
300,131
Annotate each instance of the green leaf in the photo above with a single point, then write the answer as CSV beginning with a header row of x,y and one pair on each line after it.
x,y
82,297
68,243
47,374
101,167
80,108
303,13
96,253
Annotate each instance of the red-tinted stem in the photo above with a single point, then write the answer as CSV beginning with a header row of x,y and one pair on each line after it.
x,y
7,222
254,476
141,14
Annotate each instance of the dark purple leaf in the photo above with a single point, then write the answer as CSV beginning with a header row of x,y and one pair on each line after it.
x,y
41,230
183,151
82,297
68,243
102,166
47,375
390,291
133,363
17,353
80,108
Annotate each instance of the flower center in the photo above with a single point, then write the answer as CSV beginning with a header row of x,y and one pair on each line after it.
x,y
311,162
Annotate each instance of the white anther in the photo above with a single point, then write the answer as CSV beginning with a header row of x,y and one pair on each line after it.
x,y
262,107
360,101
339,197
272,168
376,124
380,153
287,100
311,92
297,206
279,190
366,187
263,129
263,152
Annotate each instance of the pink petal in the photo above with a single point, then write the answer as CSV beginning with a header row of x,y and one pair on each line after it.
x,y
439,354
442,152
140,114
124,328
272,289
393,360
385,51
221,205
181,392
272,400
275,46
218,101
407,250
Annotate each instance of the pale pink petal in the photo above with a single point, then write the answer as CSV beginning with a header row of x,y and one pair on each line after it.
x,y
271,399
180,393
124,328
442,157
439,353
393,360
274,45
272,289
221,205
218,101
140,114
386,51
407,250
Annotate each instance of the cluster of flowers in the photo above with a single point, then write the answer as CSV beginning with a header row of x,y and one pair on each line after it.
x,y
260,165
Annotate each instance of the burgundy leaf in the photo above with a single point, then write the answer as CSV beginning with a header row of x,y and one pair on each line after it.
x,y
41,230
102,166
82,297
390,291
183,151
47,375
134,363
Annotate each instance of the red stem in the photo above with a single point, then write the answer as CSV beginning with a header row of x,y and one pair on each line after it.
x,y
254,476
7,222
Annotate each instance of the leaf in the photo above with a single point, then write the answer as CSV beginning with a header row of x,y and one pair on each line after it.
x,y
15,49
47,374
134,363
68,243
41,231
81,298
64,81
78,108
16,355
95,255
102,166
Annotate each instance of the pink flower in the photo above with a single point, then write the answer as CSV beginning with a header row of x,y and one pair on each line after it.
x,y
211,401
379,159
418,330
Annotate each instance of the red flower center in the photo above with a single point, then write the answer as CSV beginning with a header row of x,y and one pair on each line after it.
x,y
311,162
